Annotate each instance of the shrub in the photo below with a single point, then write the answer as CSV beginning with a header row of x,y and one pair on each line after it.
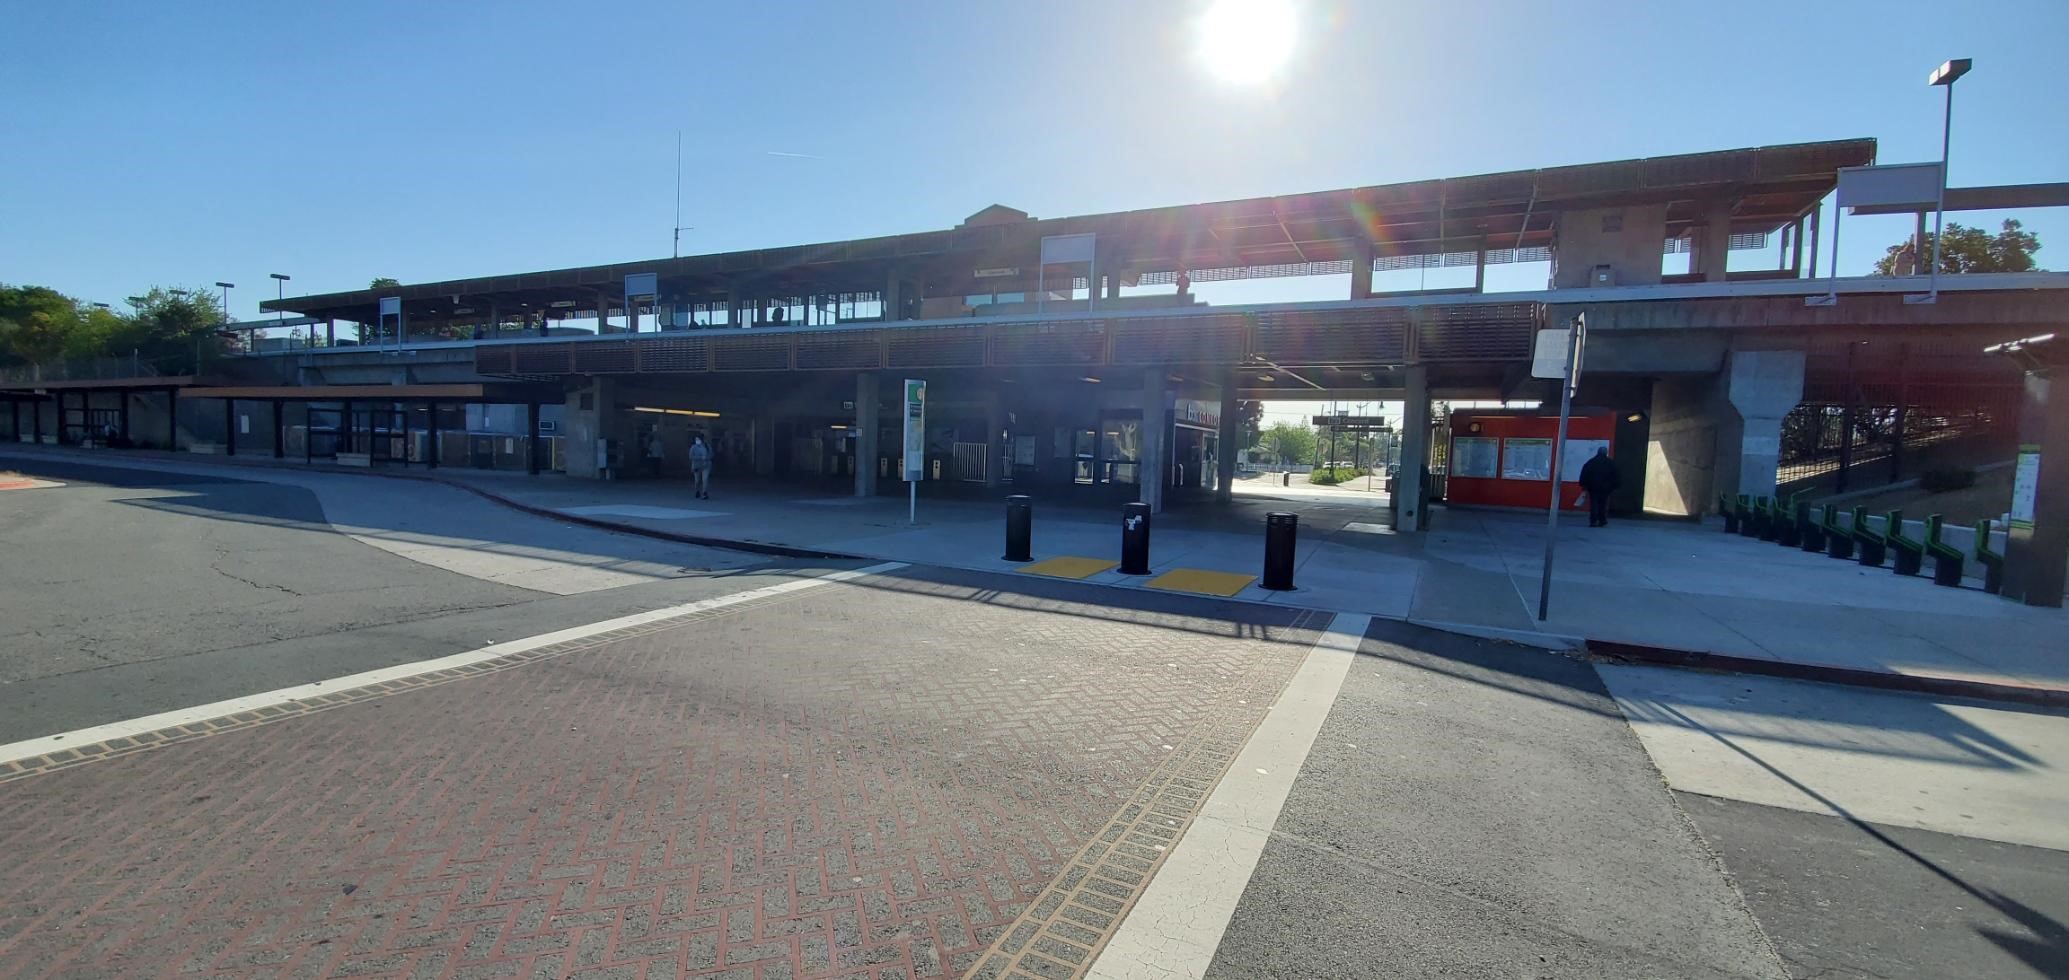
x,y
1332,477
1941,479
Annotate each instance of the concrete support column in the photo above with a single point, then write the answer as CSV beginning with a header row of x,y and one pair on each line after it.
x,y
2035,553
1760,389
1361,270
866,423
1415,451
894,297
1713,241
587,421
1230,439
1153,471
1480,266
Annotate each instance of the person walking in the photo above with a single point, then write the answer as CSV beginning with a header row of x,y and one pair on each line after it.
x,y
1599,478
655,453
700,467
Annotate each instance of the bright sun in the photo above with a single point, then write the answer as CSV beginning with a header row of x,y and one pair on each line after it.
x,y
1246,41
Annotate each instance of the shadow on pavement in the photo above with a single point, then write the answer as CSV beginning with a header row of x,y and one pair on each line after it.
x,y
2048,955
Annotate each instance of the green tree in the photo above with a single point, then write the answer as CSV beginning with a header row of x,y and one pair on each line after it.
x,y
1968,249
1288,443
38,324
172,328
1252,415
383,283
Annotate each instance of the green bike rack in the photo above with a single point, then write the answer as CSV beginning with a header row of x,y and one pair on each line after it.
x,y
1838,540
1908,556
1871,546
1947,561
1992,562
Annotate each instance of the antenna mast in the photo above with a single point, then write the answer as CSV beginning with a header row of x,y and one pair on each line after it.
x,y
678,193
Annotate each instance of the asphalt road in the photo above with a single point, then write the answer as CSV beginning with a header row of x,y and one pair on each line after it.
x,y
130,592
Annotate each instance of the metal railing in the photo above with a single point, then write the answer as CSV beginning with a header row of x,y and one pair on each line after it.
x,y
80,370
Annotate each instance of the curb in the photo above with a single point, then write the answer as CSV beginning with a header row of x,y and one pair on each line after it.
x,y
729,544
1939,686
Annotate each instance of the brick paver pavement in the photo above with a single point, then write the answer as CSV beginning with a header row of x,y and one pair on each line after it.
x,y
865,780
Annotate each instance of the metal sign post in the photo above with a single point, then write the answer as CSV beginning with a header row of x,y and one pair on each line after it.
x,y
915,445
1575,342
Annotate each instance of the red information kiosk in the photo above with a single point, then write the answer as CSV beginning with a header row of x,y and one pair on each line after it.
x,y
1503,458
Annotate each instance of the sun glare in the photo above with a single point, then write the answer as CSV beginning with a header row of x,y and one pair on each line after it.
x,y
1247,41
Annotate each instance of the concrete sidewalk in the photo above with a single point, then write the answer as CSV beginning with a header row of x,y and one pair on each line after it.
x,y
1683,587
1671,586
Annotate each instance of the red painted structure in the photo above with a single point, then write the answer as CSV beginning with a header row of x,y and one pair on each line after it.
x,y
1504,458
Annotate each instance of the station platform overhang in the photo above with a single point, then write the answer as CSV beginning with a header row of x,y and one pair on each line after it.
x,y
1510,216
510,394
38,390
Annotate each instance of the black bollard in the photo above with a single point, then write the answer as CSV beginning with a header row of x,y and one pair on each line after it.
x,y
1135,539
1019,528
1281,532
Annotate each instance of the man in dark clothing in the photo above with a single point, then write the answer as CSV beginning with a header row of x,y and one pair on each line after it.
x,y
1599,478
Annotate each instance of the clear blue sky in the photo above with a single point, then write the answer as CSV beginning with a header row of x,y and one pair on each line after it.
x,y
151,143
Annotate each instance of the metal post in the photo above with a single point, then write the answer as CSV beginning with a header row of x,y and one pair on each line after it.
x,y
431,456
1544,591
531,414
1816,215
1846,427
1940,210
344,437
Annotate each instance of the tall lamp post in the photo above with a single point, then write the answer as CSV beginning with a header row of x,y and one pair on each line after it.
x,y
1944,76
279,294
226,287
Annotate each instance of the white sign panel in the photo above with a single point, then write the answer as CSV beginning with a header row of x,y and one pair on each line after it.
x,y
1526,459
1899,184
391,306
642,284
915,430
2025,486
1548,359
1068,248
1578,452
1475,456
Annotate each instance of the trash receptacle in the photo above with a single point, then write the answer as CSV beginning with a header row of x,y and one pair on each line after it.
x,y
1019,528
1281,534
1135,539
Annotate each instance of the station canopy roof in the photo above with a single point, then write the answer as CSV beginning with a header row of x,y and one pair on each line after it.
x,y
1420,222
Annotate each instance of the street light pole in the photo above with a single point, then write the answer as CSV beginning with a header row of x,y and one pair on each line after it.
x,y
1945,76
279,295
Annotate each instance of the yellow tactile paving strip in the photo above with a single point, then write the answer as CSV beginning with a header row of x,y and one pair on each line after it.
x,y
1202,581
1069,566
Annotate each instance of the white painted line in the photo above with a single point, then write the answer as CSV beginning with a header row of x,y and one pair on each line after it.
x,y
30,748
1174,929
